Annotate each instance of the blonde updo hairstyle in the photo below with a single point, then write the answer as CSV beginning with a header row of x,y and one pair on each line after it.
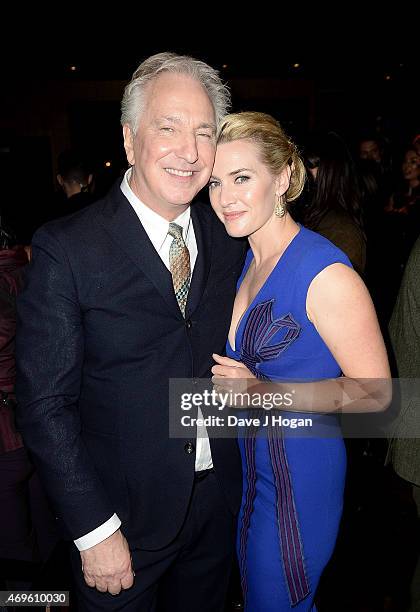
x,y
276,150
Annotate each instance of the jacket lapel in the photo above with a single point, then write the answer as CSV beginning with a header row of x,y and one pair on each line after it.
x,y
121,222
202,223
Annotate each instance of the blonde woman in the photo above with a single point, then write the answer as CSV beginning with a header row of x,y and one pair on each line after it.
x,y
301,312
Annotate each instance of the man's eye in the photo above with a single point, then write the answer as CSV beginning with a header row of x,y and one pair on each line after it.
x,y
241,179
205,134
169,130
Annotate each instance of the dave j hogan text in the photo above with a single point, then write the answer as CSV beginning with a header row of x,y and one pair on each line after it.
x,y
238,421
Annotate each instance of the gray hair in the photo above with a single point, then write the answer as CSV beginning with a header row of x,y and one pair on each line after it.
x,y
133,101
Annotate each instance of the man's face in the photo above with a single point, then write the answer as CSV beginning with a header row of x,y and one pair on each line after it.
x,y
173,150
369,149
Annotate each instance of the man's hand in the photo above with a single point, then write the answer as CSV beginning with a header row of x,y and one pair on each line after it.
x,y
107,565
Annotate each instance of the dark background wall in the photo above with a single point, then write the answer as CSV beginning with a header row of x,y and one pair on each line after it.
x,y
65,89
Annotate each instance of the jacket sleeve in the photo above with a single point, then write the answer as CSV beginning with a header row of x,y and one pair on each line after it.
x,y
49,360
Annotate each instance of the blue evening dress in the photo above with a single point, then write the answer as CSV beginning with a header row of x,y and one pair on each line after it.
x,y
293,482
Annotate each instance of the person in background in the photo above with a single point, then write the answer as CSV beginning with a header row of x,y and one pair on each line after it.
x,y
404,449
75,177
374,148
400,228
406,199
370,147
333,207
416,143
26,532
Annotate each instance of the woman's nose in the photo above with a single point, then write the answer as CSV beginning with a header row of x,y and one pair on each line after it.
x,y
226,197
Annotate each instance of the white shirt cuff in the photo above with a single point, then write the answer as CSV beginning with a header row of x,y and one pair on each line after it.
x,y
99,534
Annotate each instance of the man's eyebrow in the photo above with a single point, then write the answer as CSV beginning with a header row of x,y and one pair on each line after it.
x,y
170,118
175,119
207,126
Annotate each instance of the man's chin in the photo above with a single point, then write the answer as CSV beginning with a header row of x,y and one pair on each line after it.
x,y
183,197
182,201
180,204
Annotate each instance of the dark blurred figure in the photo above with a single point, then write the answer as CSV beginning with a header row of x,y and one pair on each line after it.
x,y
75,177
333,206
416,143
371,148
404,453
371,194
378,238
406,198
338,193
27,534
398,229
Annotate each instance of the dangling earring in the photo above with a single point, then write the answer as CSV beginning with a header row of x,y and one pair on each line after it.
x,y
279,209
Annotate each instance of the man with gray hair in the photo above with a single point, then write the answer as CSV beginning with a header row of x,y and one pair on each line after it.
x,y
133,291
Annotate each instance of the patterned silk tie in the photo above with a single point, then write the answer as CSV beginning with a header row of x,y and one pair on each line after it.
x,y
179,262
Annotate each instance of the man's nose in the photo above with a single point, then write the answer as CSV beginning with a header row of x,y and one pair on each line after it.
x,y
188,149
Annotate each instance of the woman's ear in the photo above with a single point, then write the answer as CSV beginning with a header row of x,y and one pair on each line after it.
x,y
283,180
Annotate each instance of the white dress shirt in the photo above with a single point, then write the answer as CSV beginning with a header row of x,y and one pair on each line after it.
x,y
156,228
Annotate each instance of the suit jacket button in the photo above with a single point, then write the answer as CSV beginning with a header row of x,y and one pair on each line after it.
x,y
188,323
189,448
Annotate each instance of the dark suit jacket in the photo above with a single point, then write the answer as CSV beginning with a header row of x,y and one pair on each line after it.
x,y
100,333
404,328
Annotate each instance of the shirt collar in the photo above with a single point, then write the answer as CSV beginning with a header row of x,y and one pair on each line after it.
x,y
155,226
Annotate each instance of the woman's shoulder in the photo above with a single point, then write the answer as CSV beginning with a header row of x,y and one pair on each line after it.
x,y
316,253
317,246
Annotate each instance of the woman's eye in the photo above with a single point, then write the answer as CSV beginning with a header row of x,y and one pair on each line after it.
x,y
241,179
213,184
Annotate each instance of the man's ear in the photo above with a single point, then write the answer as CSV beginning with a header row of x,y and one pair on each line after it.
x,y
60,180
90,179
129,144
283,180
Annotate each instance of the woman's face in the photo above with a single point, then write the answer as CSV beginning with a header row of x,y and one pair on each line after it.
x,y
242,189
311,165
411,166
314,172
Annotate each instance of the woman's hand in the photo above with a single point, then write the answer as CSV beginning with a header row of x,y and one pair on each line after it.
x,y
230,375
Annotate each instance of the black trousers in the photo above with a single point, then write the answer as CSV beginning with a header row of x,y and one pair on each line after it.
x,y
28,530
189,575
15,520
